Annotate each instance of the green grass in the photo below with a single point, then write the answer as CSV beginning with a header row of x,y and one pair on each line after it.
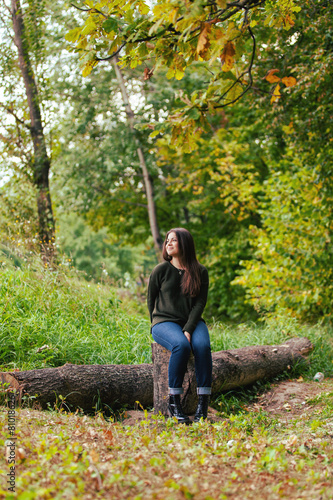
x,y
87,323
277,330
80,323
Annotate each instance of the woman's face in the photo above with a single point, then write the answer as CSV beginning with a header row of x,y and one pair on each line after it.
x,y
171,245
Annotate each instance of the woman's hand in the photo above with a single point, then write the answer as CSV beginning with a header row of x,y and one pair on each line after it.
x,y
188,336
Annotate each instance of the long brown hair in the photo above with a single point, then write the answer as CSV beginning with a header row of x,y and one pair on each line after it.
x,y
191,281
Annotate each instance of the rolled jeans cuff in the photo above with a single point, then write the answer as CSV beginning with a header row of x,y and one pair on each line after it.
x,y
204,390
175,390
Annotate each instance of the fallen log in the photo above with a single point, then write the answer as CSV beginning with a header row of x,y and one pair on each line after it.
x,y
92,387
89,387
231,369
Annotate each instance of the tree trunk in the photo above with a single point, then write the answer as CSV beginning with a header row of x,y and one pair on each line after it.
x,y
98,386
41,162
146,177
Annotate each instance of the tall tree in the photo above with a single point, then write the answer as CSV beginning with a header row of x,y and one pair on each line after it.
x,y
40,161
154,228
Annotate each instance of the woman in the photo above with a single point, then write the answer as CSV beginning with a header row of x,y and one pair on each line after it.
x,y
177,295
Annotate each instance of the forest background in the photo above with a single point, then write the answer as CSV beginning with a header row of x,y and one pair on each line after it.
x,y
218,118
235,138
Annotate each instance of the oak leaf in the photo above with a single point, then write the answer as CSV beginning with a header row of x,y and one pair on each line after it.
x,y
289,81
276,94
227,56
271,77
203,41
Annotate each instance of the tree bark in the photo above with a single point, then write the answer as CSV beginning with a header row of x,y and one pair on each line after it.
x,y
98,386
151,207
41,162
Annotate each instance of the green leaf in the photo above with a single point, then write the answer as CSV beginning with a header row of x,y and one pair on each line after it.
x,y
194,114
154,134
110,24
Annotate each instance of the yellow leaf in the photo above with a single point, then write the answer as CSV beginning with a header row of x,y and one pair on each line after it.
x,y
143,8
154,134
276,94
222,3
203,42
179,74
271,77
173,15
288,129
289,81
197,189
88,68
89,27
227,56
73,35
170,73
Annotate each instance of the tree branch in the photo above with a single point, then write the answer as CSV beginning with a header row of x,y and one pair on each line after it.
x,y
248,71
11,112
114,54
93,10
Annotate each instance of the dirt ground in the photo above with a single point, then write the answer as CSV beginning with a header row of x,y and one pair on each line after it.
x,y
287,398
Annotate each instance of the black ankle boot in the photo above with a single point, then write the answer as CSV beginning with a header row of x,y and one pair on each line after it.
x,y
175,409
202,408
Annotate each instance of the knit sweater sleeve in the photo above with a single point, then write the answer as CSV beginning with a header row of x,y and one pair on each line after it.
x,y
199,305
153,291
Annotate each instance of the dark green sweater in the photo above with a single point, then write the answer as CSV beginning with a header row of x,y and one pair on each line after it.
x,y
166,302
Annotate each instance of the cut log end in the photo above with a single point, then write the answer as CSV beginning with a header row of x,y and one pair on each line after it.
x,y
9,384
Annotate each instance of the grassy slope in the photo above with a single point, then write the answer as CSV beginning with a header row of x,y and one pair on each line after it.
x,y
86,323
79,322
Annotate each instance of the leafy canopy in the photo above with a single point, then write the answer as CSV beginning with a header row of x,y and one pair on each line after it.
x,y
177,34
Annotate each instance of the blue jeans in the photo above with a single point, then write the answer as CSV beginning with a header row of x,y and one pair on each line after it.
x,y
170,335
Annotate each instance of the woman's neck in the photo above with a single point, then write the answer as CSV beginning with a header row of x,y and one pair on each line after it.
x,y
176,262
